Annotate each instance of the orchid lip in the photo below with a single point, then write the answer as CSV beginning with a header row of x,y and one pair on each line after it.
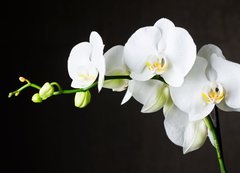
x,y
214,93
157,64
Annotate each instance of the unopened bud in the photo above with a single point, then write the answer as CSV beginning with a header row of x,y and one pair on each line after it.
x,y
17,93
46,91
36,98
22,79
82,99
10,95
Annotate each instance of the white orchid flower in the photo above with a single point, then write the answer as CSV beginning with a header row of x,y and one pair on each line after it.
x,y
162,49
213,80
115,66
153,94
86,62
190,135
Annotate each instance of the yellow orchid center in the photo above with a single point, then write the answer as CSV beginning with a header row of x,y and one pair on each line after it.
x,y
157,66
215,94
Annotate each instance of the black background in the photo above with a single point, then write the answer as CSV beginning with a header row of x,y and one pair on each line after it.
x,y
105,137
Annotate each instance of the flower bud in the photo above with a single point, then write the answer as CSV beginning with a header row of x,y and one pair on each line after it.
x,y
82,99
36,98
46,91
22,79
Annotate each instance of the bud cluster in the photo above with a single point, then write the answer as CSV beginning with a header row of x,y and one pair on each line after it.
x,y
46,91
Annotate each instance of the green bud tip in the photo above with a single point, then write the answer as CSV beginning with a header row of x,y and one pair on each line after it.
x,y
36,98
23,79
17,93
10,95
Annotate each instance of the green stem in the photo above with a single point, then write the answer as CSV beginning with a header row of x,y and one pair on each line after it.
x,y
75,90
217,126
57,85
35,86
209,124
22,88
71,91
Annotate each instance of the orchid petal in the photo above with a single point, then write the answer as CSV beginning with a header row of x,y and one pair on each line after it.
x,y
129,92
180,47
165,27
194,136
79,56
175,123
84,76
154,96
227,72
115,66
144,76
207,50
168,105
117,85
190,135
173,77
180,50
97,56
188,97
141,45
157,103
223,106
96,41
101,70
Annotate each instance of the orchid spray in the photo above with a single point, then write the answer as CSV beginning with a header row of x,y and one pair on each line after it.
x,y
162,61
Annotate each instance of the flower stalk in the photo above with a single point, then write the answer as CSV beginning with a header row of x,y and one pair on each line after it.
x,y
17,92
71,91
217,143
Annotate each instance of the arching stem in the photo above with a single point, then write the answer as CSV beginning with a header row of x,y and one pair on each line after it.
x,y
72,91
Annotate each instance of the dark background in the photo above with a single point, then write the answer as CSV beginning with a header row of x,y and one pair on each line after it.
x,y
105,137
